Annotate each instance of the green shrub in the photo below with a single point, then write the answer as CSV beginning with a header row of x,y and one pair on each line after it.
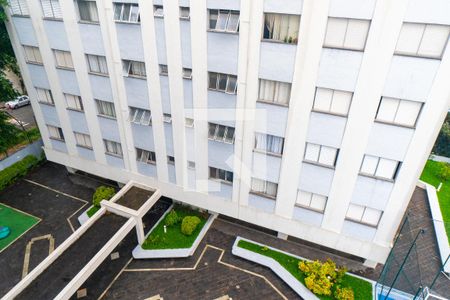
x,y
102,193
17,170
344,293
443,171
172,218
189,224
320,277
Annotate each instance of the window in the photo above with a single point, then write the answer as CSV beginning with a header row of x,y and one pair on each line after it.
x,y
51,9
379,167
265,188
320,154
134,68
269,143
32,55
346,33
220,174
170,160
274,91
63,59
400,112
184,13
311,201
167,118
106,109
363,214
126,12
187,73
148,157
18,7
281,28
224,20
426,40
158,11
221,133
191,165
74,102
97,64
55,133
140,116
188,122
113,148
45,96
83,140
222,82
332,101
88,11
163,70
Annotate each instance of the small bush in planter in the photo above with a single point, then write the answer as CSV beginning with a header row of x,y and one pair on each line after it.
x,y
172,218
344,293
102,193
320,277
189,224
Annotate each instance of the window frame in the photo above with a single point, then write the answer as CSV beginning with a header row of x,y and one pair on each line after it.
x,y
77,100
91,21
134,113
317,162
98,59
374,175
186,8
294,41
217,176
155,10
309,207
128,67
228,13
84,136
114,144
121,19
219,76
55,129
330,111
360,221
22,6
399,101
145,156
266,149
224,139
67,55
48,93
344,47
37,57
100,109
265,192
170,160
52,17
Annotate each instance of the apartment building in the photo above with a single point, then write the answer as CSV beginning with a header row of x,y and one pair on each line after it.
x,y
311,118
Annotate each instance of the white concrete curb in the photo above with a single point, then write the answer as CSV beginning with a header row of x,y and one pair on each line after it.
x,y
278,269
140,253
84,216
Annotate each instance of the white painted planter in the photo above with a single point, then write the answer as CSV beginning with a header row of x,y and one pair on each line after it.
x,y
140,253
278,269
83,218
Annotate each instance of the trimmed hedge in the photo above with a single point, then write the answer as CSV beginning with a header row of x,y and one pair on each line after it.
x,y
189,224
102,193
17,170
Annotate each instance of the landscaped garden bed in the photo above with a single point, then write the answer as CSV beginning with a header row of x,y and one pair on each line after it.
x,y
101,193
176,234
304,276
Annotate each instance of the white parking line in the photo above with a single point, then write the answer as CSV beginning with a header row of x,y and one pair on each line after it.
x,y
56,191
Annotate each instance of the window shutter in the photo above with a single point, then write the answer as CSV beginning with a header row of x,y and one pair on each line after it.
x,y
356,35
323,99
312,152
303,198
433,41
341,102
335,34
327,156
371,216
409,38
47,8
387,109
355,212
408,112
386,168
369,165
57,13
318,202
15,7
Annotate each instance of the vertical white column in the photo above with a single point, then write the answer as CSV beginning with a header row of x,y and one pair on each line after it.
x,y
175,69
311,34
109,35
50,68
427,130
250,32
20,55
199,19
81,72
384,29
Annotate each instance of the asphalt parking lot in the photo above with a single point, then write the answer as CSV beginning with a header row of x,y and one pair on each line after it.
x,y
24,115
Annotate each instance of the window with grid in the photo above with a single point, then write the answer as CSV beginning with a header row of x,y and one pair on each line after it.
x,y
18,7
311,201
145,156
113,148
97,64
399,112
158,11
170,160
32,55
167,118
263,187
51,9
83,140
346,33
321,154
140,116
134,68
424,40
105,108
222,82
276,92
87,11
184,13
45,96
187,73
332,101
55,133
221,133
363,214
226,176
269,143
223,20
126,12
379,167
281,27
163,70
188,122
74,102
63,59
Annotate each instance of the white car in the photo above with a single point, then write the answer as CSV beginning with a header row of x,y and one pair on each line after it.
x,y
18,102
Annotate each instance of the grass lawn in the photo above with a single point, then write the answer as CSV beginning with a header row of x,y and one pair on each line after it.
x,y
17,221
362,289
429,175
92,211
174,238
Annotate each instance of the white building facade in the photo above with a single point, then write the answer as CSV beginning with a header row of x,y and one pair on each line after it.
x,y
312,118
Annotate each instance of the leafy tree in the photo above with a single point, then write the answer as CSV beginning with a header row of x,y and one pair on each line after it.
x,y
8,133
442,145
